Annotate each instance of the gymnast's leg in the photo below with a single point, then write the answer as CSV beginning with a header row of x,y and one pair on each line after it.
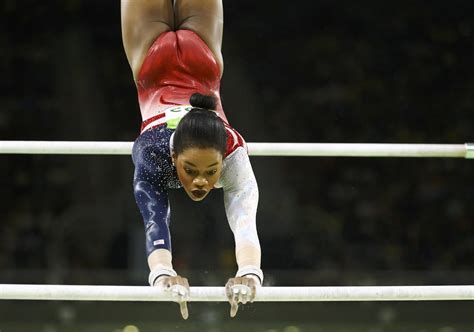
x,y
206,18
142,22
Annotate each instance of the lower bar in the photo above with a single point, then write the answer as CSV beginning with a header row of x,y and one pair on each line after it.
x,y
217,294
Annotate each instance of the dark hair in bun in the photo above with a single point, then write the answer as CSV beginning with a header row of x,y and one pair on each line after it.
x,y
201,101
201,127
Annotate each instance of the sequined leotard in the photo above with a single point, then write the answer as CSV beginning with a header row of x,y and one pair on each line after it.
x,y
177,65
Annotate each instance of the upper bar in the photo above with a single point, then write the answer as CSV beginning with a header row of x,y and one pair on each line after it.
x,y
217,294
66,147
255,149
358,150
470,150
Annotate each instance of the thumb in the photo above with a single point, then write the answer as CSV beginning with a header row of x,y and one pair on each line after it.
x,y
183,307
234,306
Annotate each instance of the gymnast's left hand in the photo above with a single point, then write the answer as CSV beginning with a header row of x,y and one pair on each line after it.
x,y
240,290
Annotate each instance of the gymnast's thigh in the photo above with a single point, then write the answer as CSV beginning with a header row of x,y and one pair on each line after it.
x,y
142,22
206,18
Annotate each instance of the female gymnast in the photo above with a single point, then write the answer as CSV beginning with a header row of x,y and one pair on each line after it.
x,y
174,51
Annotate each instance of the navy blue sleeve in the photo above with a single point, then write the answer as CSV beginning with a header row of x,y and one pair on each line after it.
x,y
152,167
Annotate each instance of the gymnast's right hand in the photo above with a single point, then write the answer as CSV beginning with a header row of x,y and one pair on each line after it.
x,y
179,289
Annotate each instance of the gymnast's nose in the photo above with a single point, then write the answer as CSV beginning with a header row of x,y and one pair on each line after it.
x,y
200,182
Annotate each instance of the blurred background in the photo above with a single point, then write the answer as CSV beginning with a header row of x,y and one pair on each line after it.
x,y
306,71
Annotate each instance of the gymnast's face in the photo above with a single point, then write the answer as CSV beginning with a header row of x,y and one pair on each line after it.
x,y
198,170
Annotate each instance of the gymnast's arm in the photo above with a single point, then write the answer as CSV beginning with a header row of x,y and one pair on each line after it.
x,y
241,201
152,200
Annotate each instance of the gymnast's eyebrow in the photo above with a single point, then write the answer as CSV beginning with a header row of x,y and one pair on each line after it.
x,y
191,164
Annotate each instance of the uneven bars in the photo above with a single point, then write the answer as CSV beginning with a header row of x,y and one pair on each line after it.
x,y
217,294
255,149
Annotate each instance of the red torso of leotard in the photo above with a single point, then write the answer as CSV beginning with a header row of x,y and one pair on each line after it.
x,y
177,65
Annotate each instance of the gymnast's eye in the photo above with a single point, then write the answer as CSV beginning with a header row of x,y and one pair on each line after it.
x,y
212,172
189,171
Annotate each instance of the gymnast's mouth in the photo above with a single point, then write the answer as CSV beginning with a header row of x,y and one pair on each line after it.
x,y
199,193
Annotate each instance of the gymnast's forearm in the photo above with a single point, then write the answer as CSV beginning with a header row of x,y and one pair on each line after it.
x,y
248,254
160,258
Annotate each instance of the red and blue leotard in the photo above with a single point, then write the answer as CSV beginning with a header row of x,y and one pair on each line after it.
x,y
177,65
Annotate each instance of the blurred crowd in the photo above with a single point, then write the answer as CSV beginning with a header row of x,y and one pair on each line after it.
x,y
315,71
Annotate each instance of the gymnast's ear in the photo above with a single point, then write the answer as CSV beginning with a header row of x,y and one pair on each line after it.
x,y
173,158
